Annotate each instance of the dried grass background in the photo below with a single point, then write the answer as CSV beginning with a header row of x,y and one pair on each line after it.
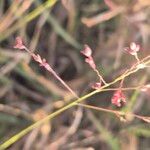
x,y
57,30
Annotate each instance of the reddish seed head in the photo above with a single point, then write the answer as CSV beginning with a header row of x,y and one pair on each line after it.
x,y
19,43
96,85
133,48
37,58
42,62
86,51
118,98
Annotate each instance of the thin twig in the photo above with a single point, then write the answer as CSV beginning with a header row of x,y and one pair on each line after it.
x,y
144,118
49,69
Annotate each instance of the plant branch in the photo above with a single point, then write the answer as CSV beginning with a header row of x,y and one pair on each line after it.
x,y
16,137
118,113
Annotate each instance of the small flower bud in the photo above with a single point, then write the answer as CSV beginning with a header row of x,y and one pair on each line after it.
x,y
118,97
132,49
96,85
19,43
86,51
37,58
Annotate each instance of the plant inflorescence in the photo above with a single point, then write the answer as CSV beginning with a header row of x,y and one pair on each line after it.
x,y
118,99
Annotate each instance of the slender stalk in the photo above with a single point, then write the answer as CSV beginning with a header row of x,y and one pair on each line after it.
x,y
118,113
100,77
50,70
98,108
124,89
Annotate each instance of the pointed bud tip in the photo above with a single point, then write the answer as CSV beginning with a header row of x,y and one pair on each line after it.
x,y
19,43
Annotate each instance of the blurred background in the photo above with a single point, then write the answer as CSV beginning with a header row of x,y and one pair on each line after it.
x,y
57,30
